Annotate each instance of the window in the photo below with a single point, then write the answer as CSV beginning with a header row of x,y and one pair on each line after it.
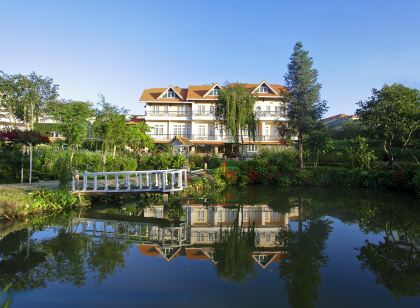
x,y
179,130
252,148
246,215
277,110
169,94
258,111
165,109
155,109
263,89
268,237
158,129
211,237
212,110
267,109
220,214
200,236
267,130
201,109
202,130
200,215
214,92
181,109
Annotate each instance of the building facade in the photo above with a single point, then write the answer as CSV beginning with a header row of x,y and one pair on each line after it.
x,y
190,113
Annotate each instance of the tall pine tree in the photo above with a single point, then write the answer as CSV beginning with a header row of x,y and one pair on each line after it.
x,y
304,105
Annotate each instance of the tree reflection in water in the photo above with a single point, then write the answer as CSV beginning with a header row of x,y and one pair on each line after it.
x,y
233,251
394,260
66,257
305,256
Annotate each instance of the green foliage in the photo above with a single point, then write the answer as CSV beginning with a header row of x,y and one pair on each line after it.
x,y
110,126
392,114
73,118
318,142
305,107
162,161
137,137
235,110
196,161
62,169
25,97
360,155
44,200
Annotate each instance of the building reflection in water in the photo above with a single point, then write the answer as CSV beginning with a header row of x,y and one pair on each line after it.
x,y
195,234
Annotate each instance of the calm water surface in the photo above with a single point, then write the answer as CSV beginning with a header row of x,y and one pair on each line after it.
x,y
262,246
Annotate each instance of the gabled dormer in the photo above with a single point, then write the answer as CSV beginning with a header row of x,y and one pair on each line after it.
x,y
169,93
214,91
264,88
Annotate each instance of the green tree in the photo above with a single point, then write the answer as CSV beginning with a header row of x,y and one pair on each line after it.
x,y
110,126
73,120
360,155
392,113
7,96
318,142
25,97
305,107
235,111
137,137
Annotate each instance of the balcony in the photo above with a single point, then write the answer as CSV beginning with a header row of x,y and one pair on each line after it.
x,y
270,115
168,115
208,137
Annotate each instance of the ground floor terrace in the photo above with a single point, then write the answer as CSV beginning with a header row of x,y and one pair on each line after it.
x,y
222,146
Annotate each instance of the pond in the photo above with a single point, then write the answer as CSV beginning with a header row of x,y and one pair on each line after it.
x,y
254,247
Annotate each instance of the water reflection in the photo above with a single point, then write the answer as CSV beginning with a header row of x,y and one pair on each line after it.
x,y
240,235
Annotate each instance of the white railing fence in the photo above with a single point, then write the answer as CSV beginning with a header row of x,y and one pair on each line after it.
x,y
131,181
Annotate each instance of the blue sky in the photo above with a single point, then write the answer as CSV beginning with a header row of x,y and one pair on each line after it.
x,y
118,48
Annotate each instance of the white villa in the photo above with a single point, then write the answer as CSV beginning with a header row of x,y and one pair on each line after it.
x,y
189,115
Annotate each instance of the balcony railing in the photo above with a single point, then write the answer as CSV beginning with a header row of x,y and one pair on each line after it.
x,y
209,137
268,114
169,113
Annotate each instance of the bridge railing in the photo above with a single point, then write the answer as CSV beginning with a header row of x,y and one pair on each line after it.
x,y
170,180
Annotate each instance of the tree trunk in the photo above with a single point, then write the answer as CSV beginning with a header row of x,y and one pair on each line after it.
x,y
388,152
21,165
30,163
242,143
300,151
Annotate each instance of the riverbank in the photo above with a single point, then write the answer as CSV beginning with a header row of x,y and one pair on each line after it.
x,y
19,200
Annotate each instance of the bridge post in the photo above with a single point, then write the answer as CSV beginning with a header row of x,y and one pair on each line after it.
x,y
127,181
106,182
95,182
117,182
85,180
148,180
180,179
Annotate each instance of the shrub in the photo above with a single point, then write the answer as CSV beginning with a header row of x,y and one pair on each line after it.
x,y
44,199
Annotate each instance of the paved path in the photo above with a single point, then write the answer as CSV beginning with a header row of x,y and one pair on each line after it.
x,y
27,186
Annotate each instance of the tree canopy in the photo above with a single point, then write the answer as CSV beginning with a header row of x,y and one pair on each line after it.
x,y
73,118
235,110
392,114
305,107
25,97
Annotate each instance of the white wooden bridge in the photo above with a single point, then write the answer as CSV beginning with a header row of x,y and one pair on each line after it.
x,y
100,183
